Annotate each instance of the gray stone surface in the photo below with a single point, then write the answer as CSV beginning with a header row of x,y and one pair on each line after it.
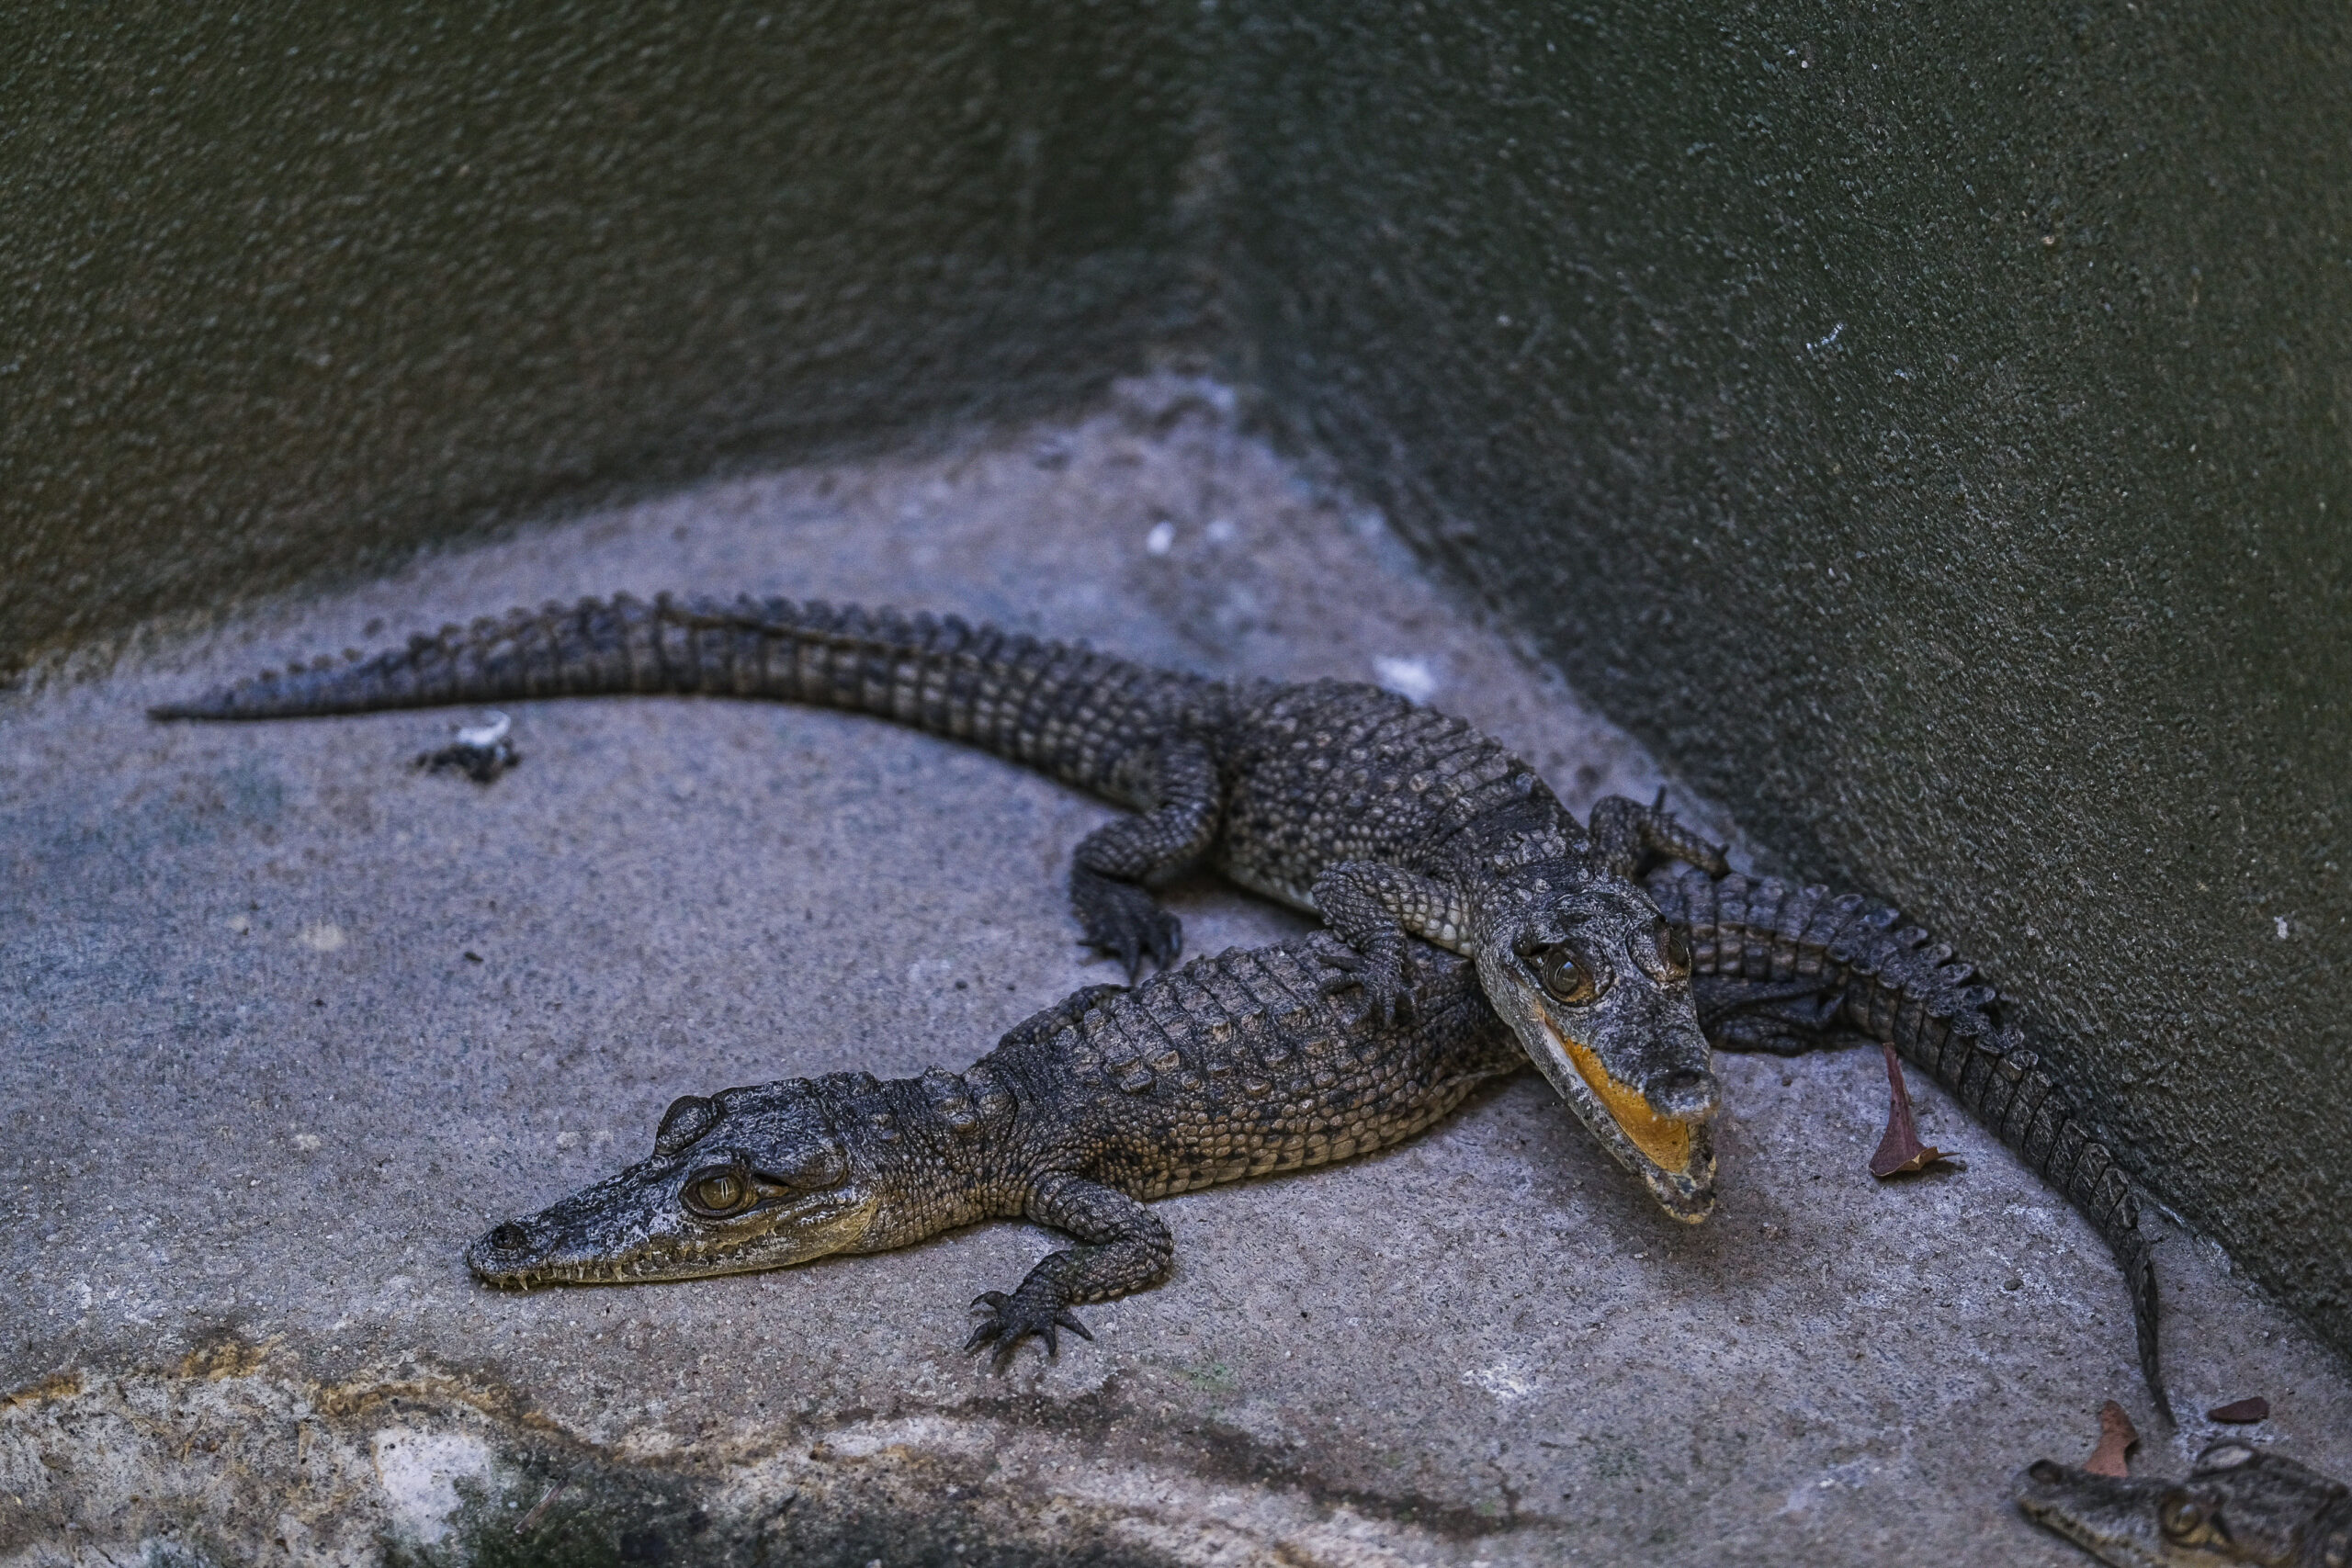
x,y
289,1023
1925,425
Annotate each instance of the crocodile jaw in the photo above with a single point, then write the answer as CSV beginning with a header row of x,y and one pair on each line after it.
x,y
1676,1160
631,1227
2115,1521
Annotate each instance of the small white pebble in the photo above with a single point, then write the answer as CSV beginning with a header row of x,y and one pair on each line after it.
x,y
306,1142
489,732
1410,678
2280,921
240,924
1162,537
567,1140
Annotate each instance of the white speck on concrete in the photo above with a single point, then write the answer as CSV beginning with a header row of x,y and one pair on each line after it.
x,y
1162,537
1407,677
323,937
420,1471
1504,1380
489,732
2280,921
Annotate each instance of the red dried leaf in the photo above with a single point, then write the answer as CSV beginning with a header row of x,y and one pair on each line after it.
x,y
2116,1438
2240,1412
1901,1151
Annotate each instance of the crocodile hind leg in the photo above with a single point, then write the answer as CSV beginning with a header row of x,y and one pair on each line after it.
x,y
1628,835
1123,1249
1114,863
1780,1017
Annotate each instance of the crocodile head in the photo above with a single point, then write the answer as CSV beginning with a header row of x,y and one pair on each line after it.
x,y
749,1178
1598,988
2239,1505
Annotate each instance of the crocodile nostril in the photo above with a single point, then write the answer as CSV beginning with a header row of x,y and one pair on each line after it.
x,y
1684,1094
510,1238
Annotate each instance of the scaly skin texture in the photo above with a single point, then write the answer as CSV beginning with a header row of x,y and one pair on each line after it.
x,y
1390,820
2238,1505
1230,1067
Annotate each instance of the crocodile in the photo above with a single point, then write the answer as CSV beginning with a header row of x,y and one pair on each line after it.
x,y
1390,820
2238,1504
1784,969
1224,1068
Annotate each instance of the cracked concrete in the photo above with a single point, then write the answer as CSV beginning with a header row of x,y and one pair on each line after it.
x,y
290,1021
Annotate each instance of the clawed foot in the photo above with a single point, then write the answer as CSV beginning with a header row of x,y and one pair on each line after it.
x,y
1123,921
1379,977
1015,1317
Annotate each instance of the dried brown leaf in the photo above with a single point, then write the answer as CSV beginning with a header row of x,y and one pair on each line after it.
x,y
1901,1151
2117,1437
2241,1411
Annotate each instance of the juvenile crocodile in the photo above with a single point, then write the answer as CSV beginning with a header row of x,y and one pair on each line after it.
x,y
1786,969
1226,1067
1390,820
2238,1505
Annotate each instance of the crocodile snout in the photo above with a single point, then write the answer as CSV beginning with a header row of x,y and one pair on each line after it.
x,y
498,1255
1684,1094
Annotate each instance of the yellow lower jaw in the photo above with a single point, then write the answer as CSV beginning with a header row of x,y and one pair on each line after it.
x,y
1666,1141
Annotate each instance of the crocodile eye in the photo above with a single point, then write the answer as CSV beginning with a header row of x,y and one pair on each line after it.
x,y
2184,1519
1565,979
1661,952
717,1194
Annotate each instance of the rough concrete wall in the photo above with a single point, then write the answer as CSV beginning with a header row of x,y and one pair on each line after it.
x,y
288,287
1929,424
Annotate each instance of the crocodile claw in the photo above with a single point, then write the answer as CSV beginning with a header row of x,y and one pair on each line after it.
x,y
1381,978
1014,1318
1124,922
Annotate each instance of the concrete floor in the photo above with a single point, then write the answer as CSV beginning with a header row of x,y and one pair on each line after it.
x,y
290,1023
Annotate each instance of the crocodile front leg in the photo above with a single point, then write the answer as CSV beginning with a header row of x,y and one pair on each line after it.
x,y
1373,907
1123,1248
1107,876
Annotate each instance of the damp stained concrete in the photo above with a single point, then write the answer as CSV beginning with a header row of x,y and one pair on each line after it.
x,y
290,1022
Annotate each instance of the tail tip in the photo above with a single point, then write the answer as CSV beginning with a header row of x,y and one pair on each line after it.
x,y
215,706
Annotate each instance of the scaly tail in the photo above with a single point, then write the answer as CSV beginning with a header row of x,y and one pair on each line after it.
x,y
1061,708
1888,982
